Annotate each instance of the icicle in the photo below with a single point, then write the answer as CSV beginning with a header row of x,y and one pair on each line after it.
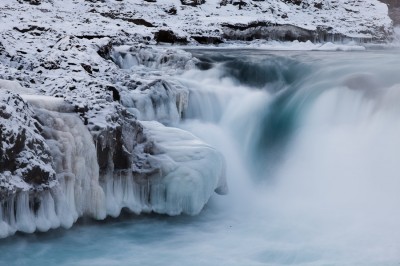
x,y
24,216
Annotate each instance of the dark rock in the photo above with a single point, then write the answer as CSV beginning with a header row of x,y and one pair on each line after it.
x,y
171,11
50,65
115,93
296,2
34,2
207,39
91,37
192,2
239,3
105,51
139,21
125,17
318,5
168,36
33,30
36,175
87,68
2,49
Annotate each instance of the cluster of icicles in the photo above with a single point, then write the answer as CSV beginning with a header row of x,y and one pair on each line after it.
x,y
190,171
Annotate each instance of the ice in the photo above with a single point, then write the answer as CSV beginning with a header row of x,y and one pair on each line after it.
x,y
169,60
14,86
76,159
192,170
46,102
184,172
160,100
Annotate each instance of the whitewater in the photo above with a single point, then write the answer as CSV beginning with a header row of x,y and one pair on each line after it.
x,y
312,152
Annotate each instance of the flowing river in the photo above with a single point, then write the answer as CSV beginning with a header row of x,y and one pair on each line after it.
x,y
312,146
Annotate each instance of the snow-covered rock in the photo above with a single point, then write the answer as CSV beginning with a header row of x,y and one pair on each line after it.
x,y
78,104
25,159
177,21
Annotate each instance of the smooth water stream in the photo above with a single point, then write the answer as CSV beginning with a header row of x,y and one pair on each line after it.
x,y
312,146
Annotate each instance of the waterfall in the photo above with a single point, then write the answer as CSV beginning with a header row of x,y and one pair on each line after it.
x,y
311,161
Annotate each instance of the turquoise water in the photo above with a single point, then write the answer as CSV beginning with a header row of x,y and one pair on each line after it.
x,y
313,156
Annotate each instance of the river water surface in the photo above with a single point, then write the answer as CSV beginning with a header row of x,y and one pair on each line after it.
x,y
312,146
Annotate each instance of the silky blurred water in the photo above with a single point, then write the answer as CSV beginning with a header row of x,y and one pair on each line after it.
x,y
312,146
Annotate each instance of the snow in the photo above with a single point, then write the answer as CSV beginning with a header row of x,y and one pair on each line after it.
x,y
348,17
86,70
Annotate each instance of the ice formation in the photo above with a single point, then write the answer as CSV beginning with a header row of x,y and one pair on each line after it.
x,y
168,171
73,104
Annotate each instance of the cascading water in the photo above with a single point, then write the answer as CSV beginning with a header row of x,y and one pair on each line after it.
x,y
312,153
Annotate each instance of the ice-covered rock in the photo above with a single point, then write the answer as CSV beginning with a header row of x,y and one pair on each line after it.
x,y
55,169
159,100
189,170
127,57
